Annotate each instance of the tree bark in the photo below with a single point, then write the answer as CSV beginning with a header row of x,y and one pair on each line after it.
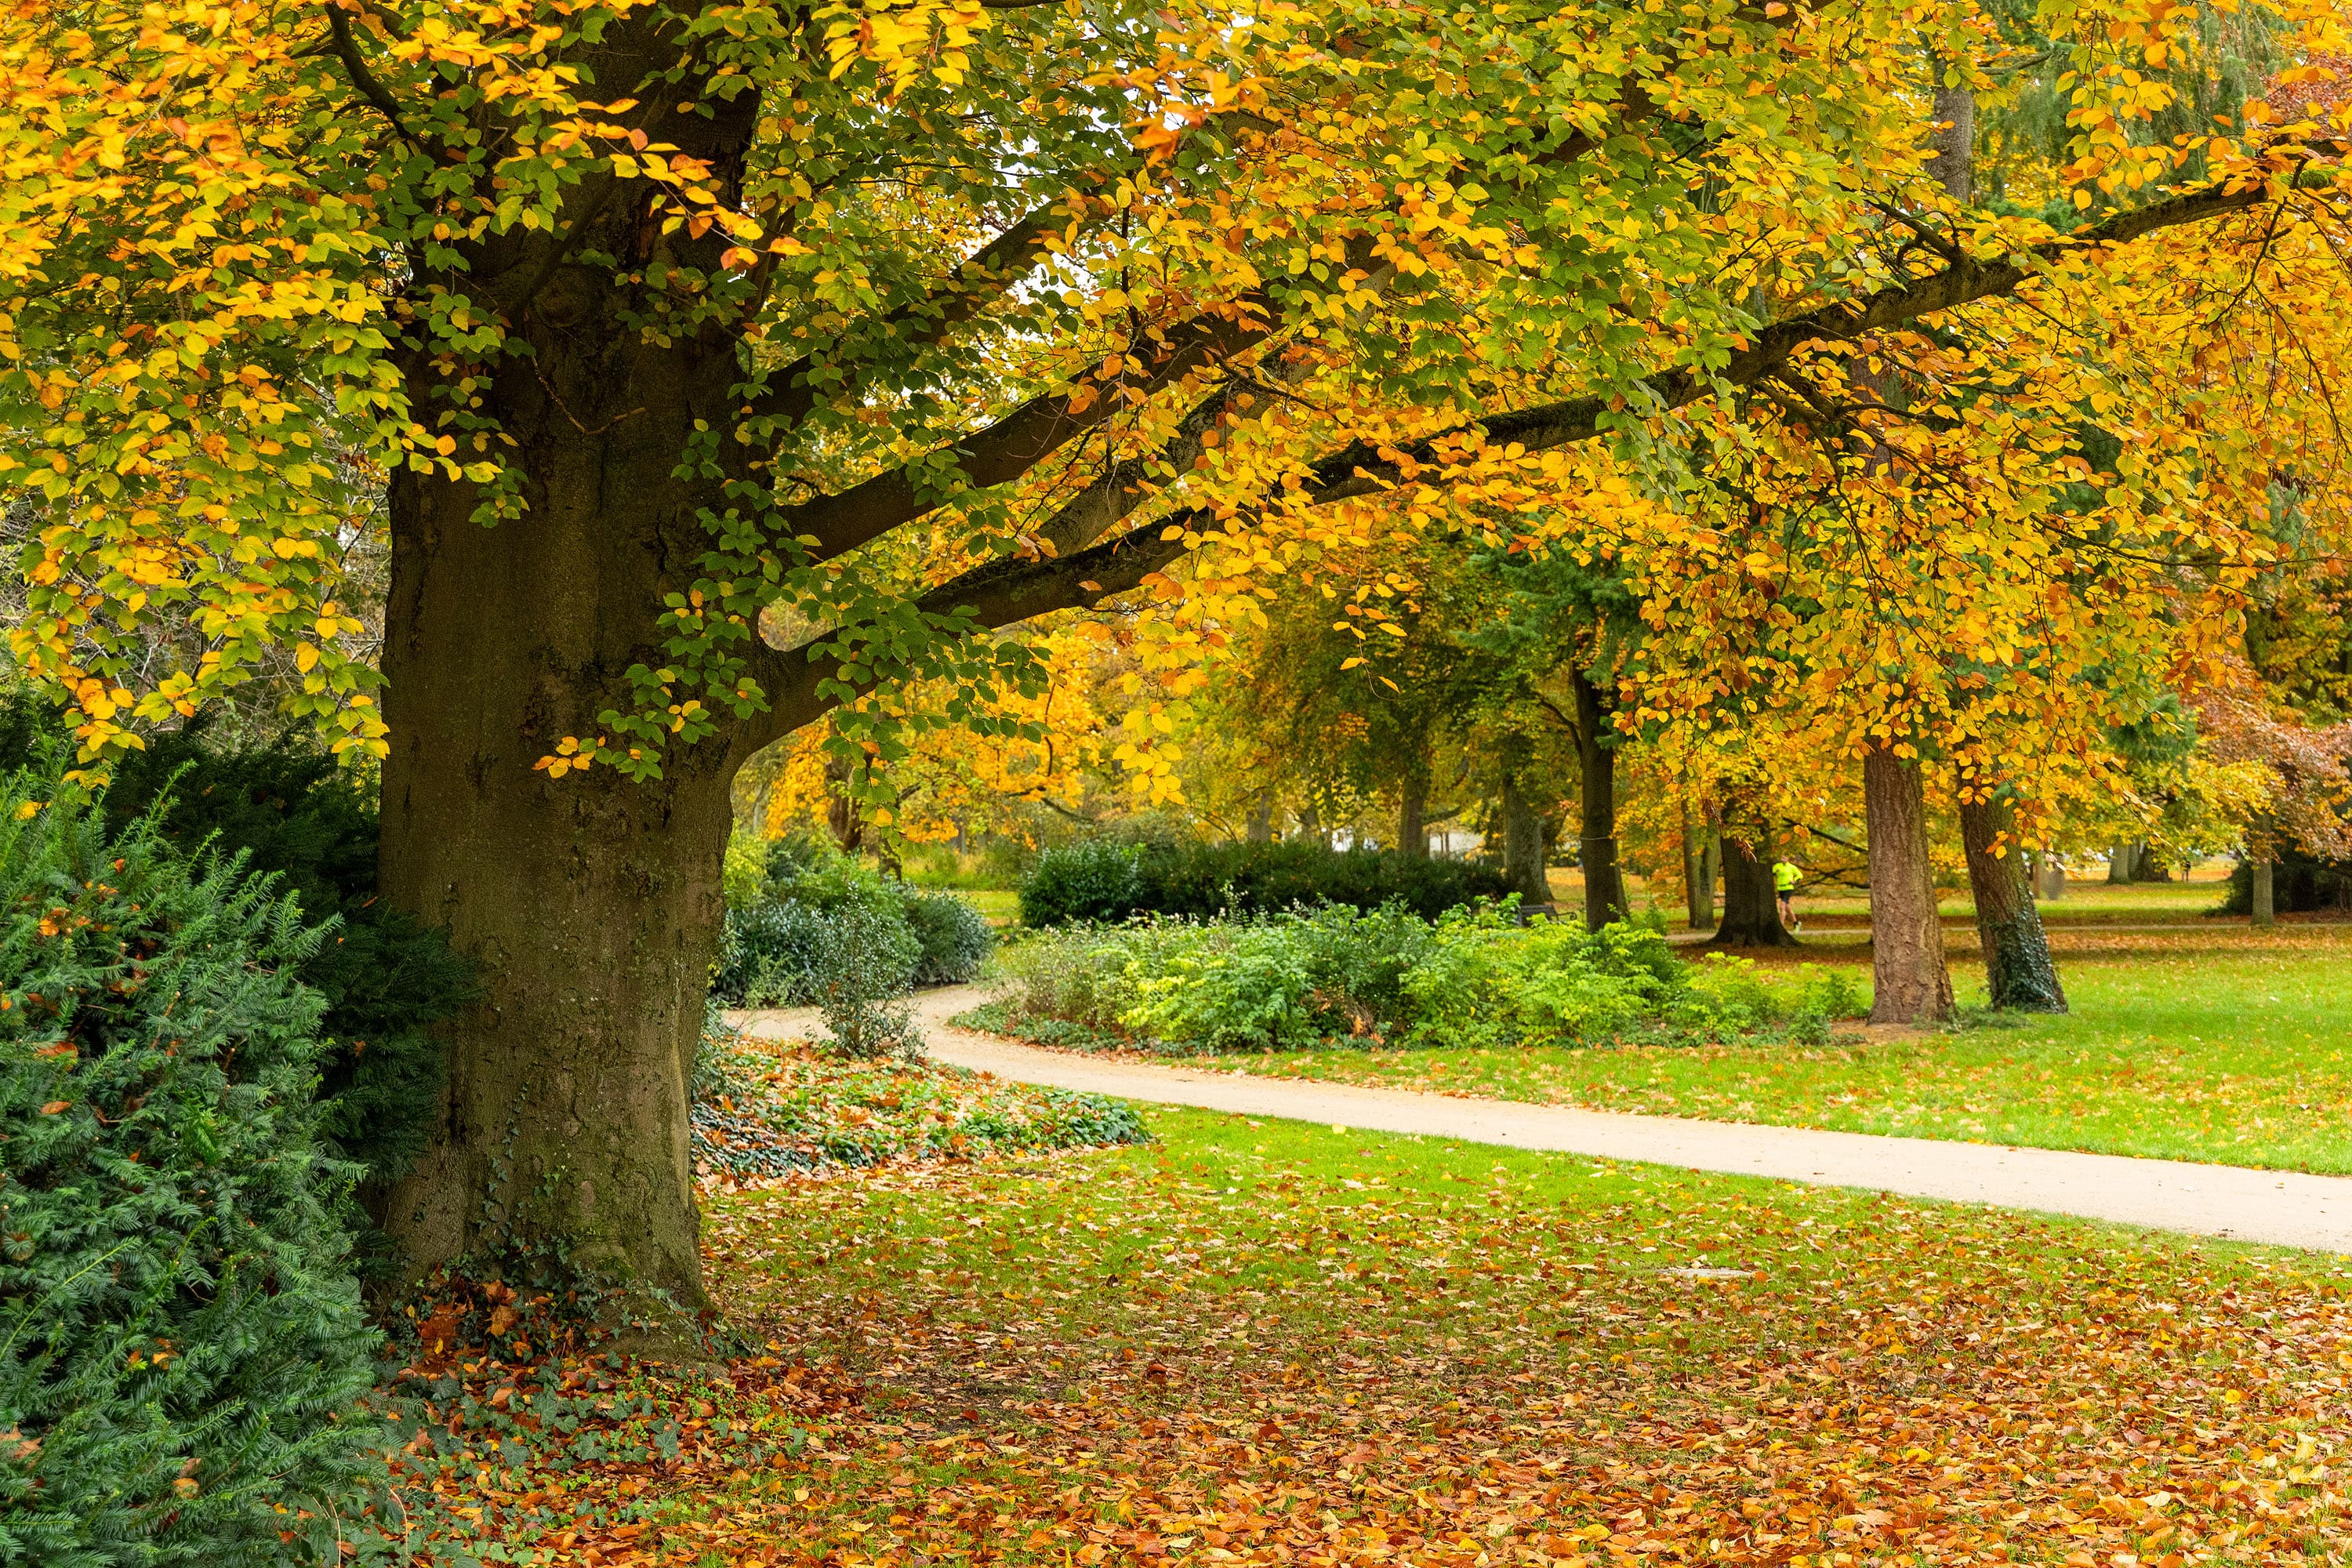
x,y
1910,983
590,903
841,817
1751,908
2019,973
2122,860
1413,811
1260,829
2265,910
1699,868
1522,866
1605,880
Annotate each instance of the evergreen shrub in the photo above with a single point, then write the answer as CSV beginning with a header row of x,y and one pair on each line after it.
x,y
293,812
182,1346
1103,881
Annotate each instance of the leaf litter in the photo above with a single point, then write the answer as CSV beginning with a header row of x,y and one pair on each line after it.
x,y
1259,1343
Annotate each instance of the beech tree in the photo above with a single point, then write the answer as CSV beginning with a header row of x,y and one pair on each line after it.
x,y
717,364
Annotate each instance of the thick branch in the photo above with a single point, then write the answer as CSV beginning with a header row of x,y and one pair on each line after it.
x,y
1000,593
355,66
1361,469
971,288
1020,441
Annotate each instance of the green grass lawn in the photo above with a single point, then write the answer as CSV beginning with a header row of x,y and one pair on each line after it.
x,y
2218,1044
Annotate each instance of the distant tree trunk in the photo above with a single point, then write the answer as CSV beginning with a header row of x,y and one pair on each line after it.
x,y
1310,825
1910,983
1604,882
1413,811
1261,820
1699,868
2265,910
2122,861
1751,908
2048,877
2019,973
841,812
1523,864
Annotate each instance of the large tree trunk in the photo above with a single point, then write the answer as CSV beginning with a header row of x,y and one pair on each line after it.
x,y
1523,861
1910,984
1604,881
590,903
2019,973
2122,861
1751,908
2262,885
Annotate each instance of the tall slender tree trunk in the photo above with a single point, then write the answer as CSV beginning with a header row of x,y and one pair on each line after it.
x,y
1604,881
1699,868
2019,972
1909,980
2265,907
1751,908
1523,864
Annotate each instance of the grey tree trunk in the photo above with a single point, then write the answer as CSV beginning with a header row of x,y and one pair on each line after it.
x,y
2266,907
2123,861
2019,972
1751,908
1909,980
1604,881
1261,821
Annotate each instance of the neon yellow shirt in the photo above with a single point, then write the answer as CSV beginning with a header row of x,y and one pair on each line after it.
x,y
1785,876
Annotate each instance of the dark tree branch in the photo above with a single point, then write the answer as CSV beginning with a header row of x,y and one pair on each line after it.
x,y
1361,469
346,49
1021,440
967,290
1005,592
1000,593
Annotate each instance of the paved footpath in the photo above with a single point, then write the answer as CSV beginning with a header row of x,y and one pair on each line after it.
x,y
2281,1207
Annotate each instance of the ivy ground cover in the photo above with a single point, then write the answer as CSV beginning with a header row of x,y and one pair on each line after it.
x,y
1266,1344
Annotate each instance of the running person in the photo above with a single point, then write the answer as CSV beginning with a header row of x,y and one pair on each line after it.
x,y
1785,878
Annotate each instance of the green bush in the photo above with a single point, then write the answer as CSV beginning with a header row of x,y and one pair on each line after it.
x,y
864,956
183,1344
780,921
294,813
1104,880
1333,974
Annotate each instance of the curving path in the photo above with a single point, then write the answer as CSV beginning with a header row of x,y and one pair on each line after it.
x,y
2284,1208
